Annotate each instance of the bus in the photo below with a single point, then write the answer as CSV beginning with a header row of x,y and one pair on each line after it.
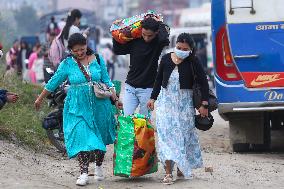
x,y
248,46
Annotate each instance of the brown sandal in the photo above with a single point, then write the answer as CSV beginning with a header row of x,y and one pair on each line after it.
x,y
179,173
168,179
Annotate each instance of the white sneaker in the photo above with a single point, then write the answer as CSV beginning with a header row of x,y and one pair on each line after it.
x,y
99,176
82,179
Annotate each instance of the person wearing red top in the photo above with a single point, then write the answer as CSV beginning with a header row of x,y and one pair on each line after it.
x,y
1,52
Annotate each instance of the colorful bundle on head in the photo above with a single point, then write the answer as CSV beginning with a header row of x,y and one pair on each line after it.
x,y
124,30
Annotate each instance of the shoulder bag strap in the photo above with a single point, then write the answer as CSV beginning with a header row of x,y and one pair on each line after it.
x,y
193,72
83,70
98,58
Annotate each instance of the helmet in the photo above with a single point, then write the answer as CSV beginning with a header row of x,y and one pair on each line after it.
x,y
204,123
52,120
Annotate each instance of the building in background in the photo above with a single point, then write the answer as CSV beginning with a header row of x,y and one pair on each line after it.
x,y
171,9
107,10
42,7
197,3
91,5
197,16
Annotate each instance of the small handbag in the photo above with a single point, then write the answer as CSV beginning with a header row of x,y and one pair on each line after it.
x,y
101,90
197,96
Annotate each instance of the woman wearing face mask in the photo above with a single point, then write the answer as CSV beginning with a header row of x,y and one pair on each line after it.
x,y
178,141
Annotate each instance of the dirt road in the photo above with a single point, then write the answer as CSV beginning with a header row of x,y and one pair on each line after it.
x,y
20,168
24,169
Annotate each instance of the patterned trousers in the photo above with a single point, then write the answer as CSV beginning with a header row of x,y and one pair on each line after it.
x,y
85,158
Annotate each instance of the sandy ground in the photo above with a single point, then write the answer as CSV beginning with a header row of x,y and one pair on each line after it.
x,y
26,169
21,168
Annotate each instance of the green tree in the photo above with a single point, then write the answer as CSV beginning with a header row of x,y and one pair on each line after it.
x,y
27,20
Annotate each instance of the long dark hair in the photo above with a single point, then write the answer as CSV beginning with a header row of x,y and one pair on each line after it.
x,y
75,13
78,39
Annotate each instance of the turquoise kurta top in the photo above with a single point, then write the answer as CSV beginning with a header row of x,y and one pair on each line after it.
x,y
88,122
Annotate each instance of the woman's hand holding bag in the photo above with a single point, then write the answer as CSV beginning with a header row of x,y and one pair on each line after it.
x,y
151,104
197,96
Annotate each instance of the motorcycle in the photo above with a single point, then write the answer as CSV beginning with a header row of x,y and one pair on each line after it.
x,y
53,122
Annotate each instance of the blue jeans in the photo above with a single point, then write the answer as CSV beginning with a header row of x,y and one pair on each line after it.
x,y
134,97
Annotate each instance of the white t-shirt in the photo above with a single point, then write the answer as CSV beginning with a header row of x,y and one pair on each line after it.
x,y
61,25
73,29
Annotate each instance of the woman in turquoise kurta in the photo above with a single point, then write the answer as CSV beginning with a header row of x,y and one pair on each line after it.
x,y
88,122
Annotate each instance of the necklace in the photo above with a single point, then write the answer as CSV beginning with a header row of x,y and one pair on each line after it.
x,y
176,59
87,60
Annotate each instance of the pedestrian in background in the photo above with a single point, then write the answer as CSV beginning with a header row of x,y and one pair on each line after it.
x,y
177,138
88,121
46,61
107,53
52,27
11,56
23,56
33,57
72,26
144,55
1,52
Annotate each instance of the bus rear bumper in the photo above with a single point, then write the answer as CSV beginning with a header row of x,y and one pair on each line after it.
x,y
225,109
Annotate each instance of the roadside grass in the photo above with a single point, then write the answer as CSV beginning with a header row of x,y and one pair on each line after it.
x,y
20,122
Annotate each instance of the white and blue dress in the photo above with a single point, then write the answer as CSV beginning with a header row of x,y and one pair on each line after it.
x,y
177,137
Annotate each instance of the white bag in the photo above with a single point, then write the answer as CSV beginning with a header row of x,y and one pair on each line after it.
x,y
38,69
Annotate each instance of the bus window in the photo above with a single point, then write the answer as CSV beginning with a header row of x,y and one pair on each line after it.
x,y
264,13
241,3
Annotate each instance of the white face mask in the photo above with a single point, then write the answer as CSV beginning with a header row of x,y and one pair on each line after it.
x,y
182,54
